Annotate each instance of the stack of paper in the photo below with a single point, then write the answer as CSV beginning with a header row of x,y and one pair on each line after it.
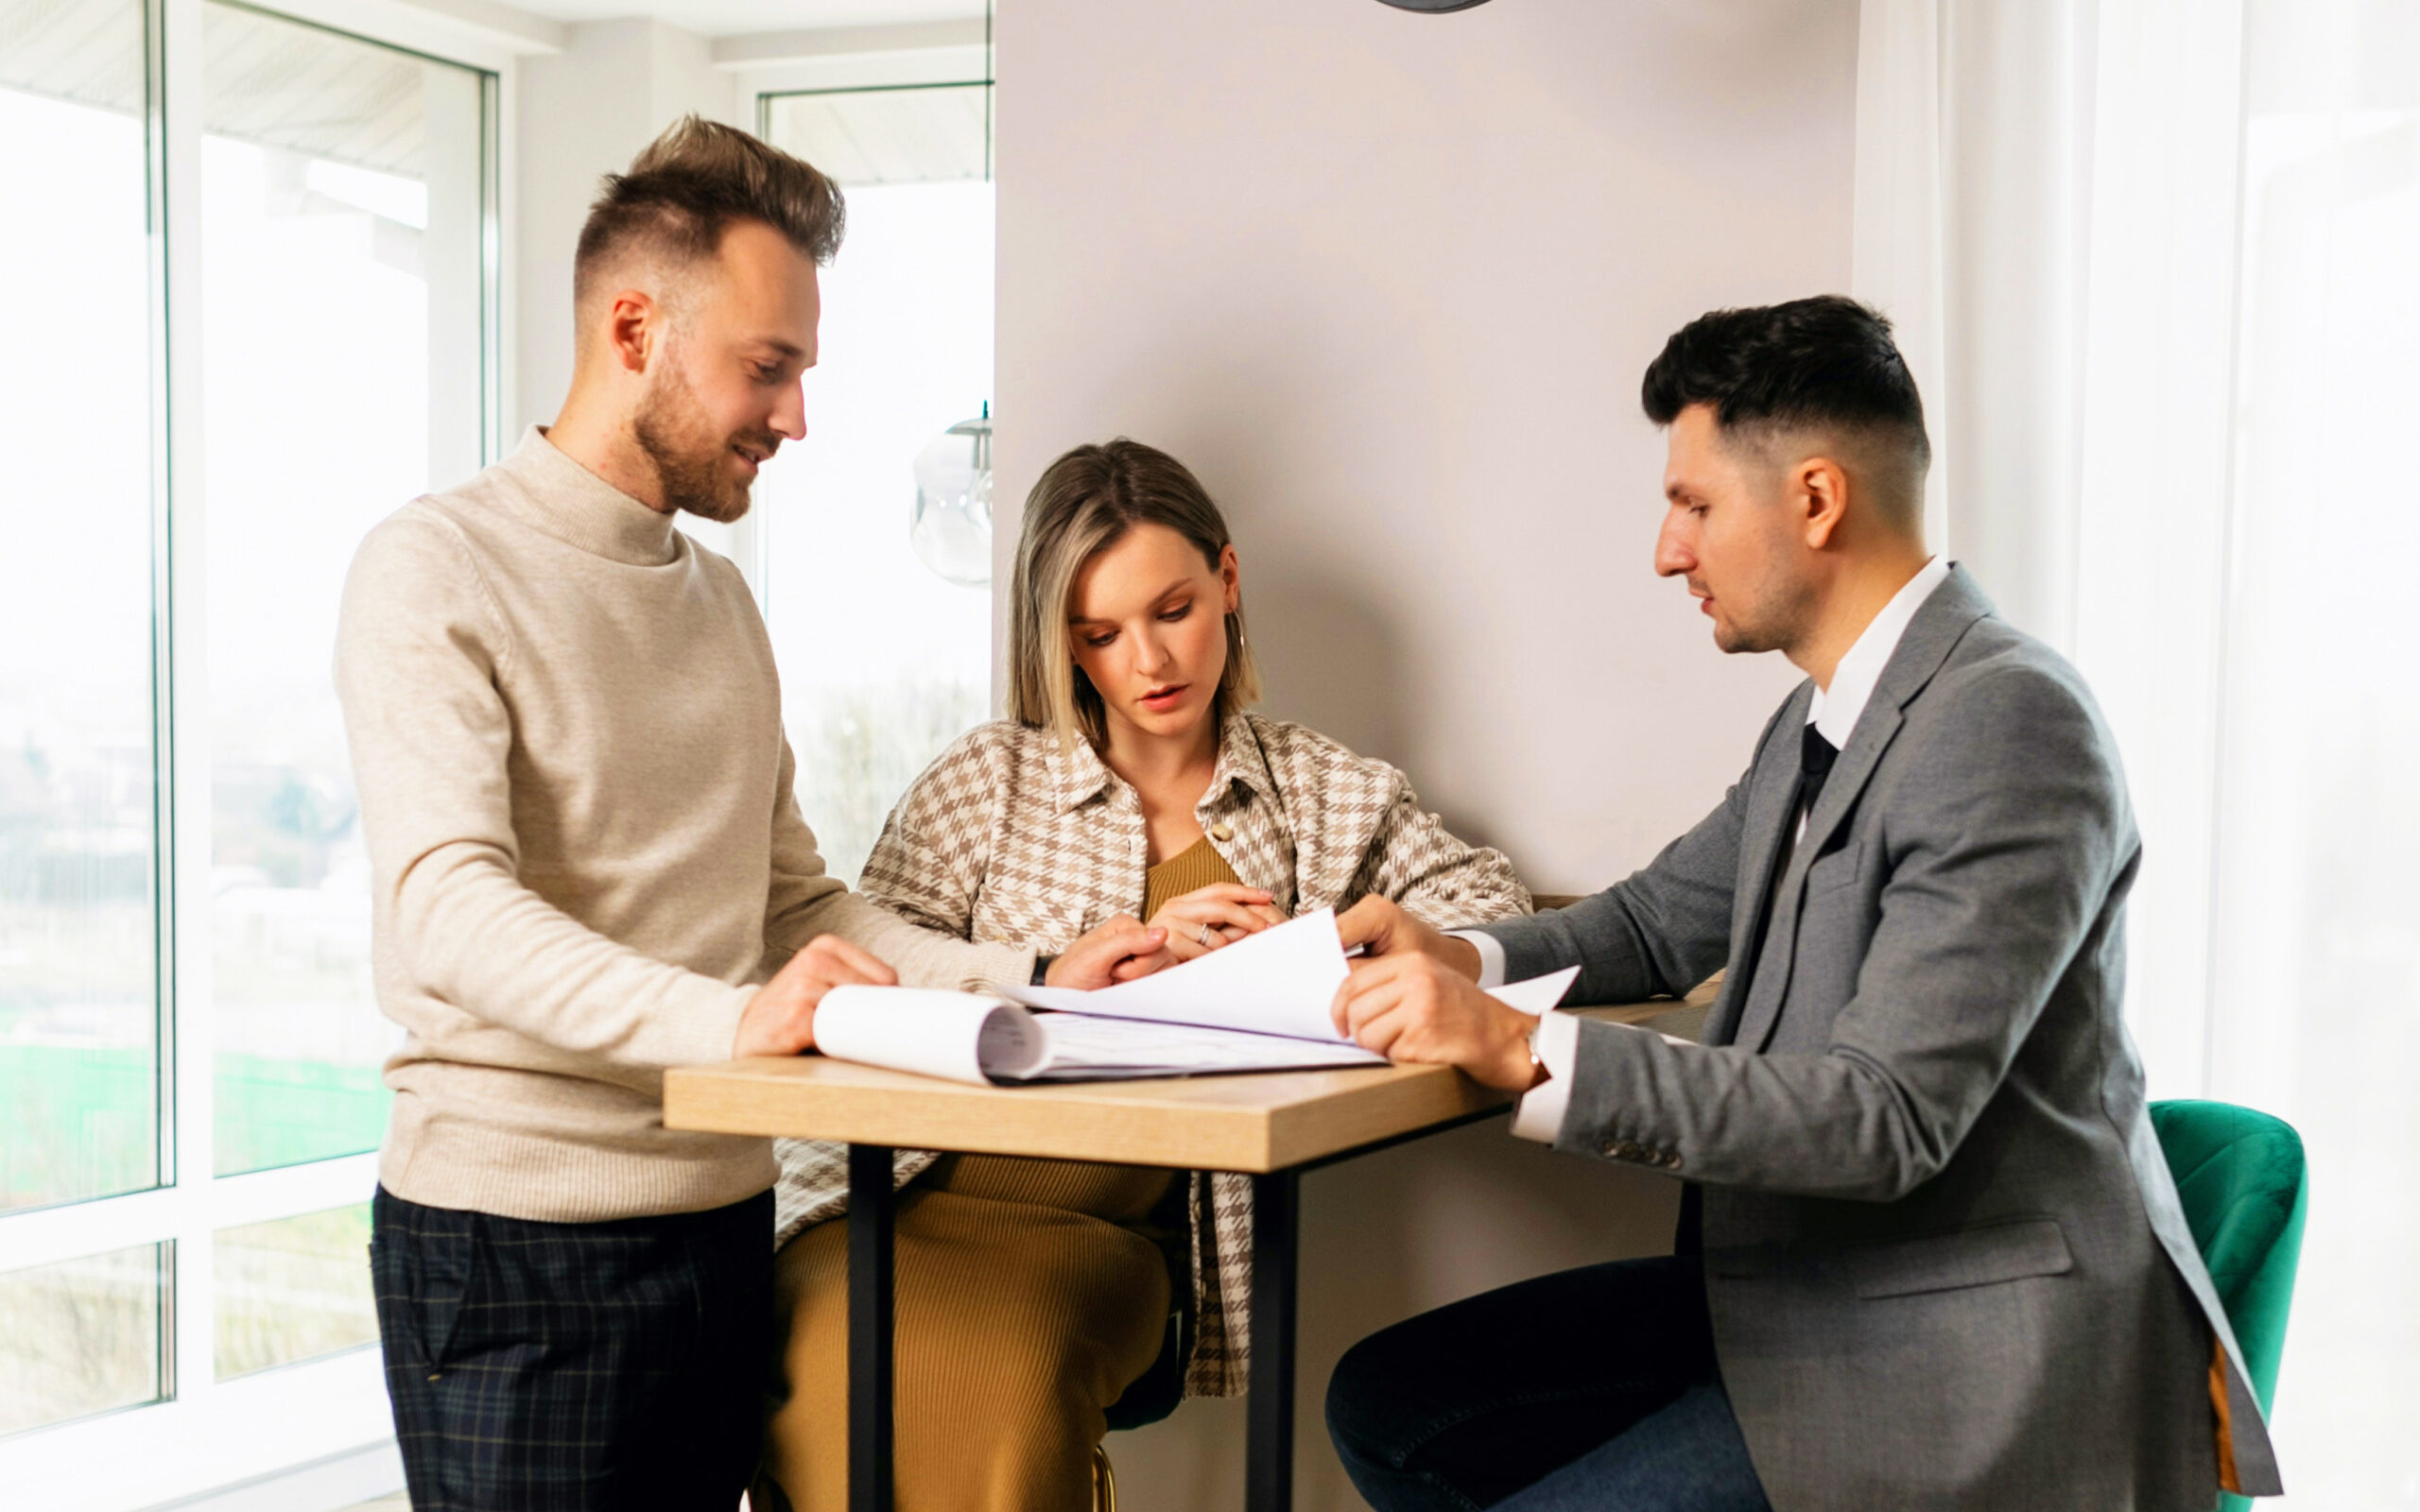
x,y
1260,1004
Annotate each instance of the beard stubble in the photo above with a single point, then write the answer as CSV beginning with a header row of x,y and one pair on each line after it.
x,y
691,461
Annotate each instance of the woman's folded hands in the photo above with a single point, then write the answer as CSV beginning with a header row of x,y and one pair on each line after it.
x,y
1202,920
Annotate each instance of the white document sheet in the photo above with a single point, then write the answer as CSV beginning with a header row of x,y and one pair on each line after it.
x,y
1260,1004
933,1032
1280,981
1080,1047
969,1037
1537,995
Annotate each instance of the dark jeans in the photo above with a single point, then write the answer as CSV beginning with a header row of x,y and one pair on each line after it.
x,y
1593,1388
575,1366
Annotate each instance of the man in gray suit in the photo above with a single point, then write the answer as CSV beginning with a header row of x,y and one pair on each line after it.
x,y
1930,1253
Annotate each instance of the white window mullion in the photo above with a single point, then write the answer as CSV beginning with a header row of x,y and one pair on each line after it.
x,y
245,1429
186,695
72,1230
291,1191
500,249
47,1236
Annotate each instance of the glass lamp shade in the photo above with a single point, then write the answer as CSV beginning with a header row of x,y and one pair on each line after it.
x,y
951,530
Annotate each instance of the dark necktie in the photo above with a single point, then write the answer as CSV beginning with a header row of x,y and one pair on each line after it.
x,y
1815,758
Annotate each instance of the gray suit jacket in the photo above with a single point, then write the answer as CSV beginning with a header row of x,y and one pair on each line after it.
x,y
1944,1259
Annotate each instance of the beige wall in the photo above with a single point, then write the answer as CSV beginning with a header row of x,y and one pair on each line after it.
x,y
1386,282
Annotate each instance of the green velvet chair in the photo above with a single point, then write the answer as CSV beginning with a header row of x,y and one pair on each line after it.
x,y
2241,1176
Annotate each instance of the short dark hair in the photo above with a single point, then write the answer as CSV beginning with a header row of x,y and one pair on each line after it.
x,y
685,189
1825,362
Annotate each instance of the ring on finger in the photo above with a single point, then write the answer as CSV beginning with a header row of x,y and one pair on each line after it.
x,y
1202,937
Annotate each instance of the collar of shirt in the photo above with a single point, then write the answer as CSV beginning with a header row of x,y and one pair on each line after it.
x,y
1835,710
560,497
1079,775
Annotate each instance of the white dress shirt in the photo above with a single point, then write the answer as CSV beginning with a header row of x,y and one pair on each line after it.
x,y
1834,714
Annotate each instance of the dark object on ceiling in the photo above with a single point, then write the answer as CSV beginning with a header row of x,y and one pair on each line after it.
x,y
1432,7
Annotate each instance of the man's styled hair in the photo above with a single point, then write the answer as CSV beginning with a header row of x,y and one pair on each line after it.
x,y
687,187
1822,364
1083,504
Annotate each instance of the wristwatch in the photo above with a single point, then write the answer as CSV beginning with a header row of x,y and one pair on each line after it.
x,y
1042,970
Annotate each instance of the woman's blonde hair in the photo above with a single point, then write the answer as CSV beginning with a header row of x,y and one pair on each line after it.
x,y
1083,504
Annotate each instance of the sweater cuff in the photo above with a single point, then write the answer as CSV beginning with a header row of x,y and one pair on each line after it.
x,y
705,1021
994,965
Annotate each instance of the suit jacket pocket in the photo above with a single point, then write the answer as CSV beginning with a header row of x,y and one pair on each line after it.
x,y
1828,872
2008,1250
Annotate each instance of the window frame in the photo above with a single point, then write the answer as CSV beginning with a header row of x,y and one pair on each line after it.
x,y
203,1434
952,65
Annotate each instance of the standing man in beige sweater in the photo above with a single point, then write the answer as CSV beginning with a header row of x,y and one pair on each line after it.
x,y
589,866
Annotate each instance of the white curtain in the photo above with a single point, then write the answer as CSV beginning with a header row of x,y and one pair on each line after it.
x,y
2158,265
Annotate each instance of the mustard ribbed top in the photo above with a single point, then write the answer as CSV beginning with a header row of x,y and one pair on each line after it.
x,y
1198,866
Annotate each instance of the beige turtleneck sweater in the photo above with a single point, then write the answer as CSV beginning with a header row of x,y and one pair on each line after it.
x,y
584,850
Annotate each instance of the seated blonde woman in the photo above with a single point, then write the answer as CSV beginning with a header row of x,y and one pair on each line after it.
x,y
1130,779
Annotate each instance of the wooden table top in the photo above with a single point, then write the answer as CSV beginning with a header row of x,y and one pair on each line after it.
x,y
1256,1123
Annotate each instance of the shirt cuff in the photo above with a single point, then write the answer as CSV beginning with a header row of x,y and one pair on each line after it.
x,y
1490,955
1539,1116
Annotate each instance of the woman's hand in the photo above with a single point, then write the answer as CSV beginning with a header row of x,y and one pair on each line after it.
x,y
1117,950
1202,920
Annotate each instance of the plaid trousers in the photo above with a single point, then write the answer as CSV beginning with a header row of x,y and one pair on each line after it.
x,y
575,1366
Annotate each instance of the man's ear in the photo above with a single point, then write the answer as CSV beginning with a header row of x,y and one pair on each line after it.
x,y
634,328
1819,487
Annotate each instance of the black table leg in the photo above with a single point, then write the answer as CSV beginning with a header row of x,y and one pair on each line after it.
x,y
1268,1444
872,1202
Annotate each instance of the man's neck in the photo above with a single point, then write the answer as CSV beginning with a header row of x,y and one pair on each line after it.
x,y
599,438
1859,594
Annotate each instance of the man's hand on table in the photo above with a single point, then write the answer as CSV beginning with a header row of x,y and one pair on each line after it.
x,y
1118,950
780,1019
1416,999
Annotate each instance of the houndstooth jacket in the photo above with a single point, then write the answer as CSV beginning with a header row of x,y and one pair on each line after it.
x,y
1008,838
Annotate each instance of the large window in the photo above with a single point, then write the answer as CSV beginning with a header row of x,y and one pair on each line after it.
x,y
883,658
80,1026
340,219
254,277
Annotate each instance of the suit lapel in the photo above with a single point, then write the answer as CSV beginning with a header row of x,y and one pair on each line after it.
x,y
1771,987
1771,796
1931,635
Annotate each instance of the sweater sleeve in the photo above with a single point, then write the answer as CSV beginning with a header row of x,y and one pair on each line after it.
x,y
420,650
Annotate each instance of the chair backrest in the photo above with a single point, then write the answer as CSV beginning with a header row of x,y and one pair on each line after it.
x,y
2241,1176
1156,1392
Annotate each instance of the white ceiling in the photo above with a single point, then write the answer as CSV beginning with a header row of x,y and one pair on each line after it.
x,y
731,18
264,80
